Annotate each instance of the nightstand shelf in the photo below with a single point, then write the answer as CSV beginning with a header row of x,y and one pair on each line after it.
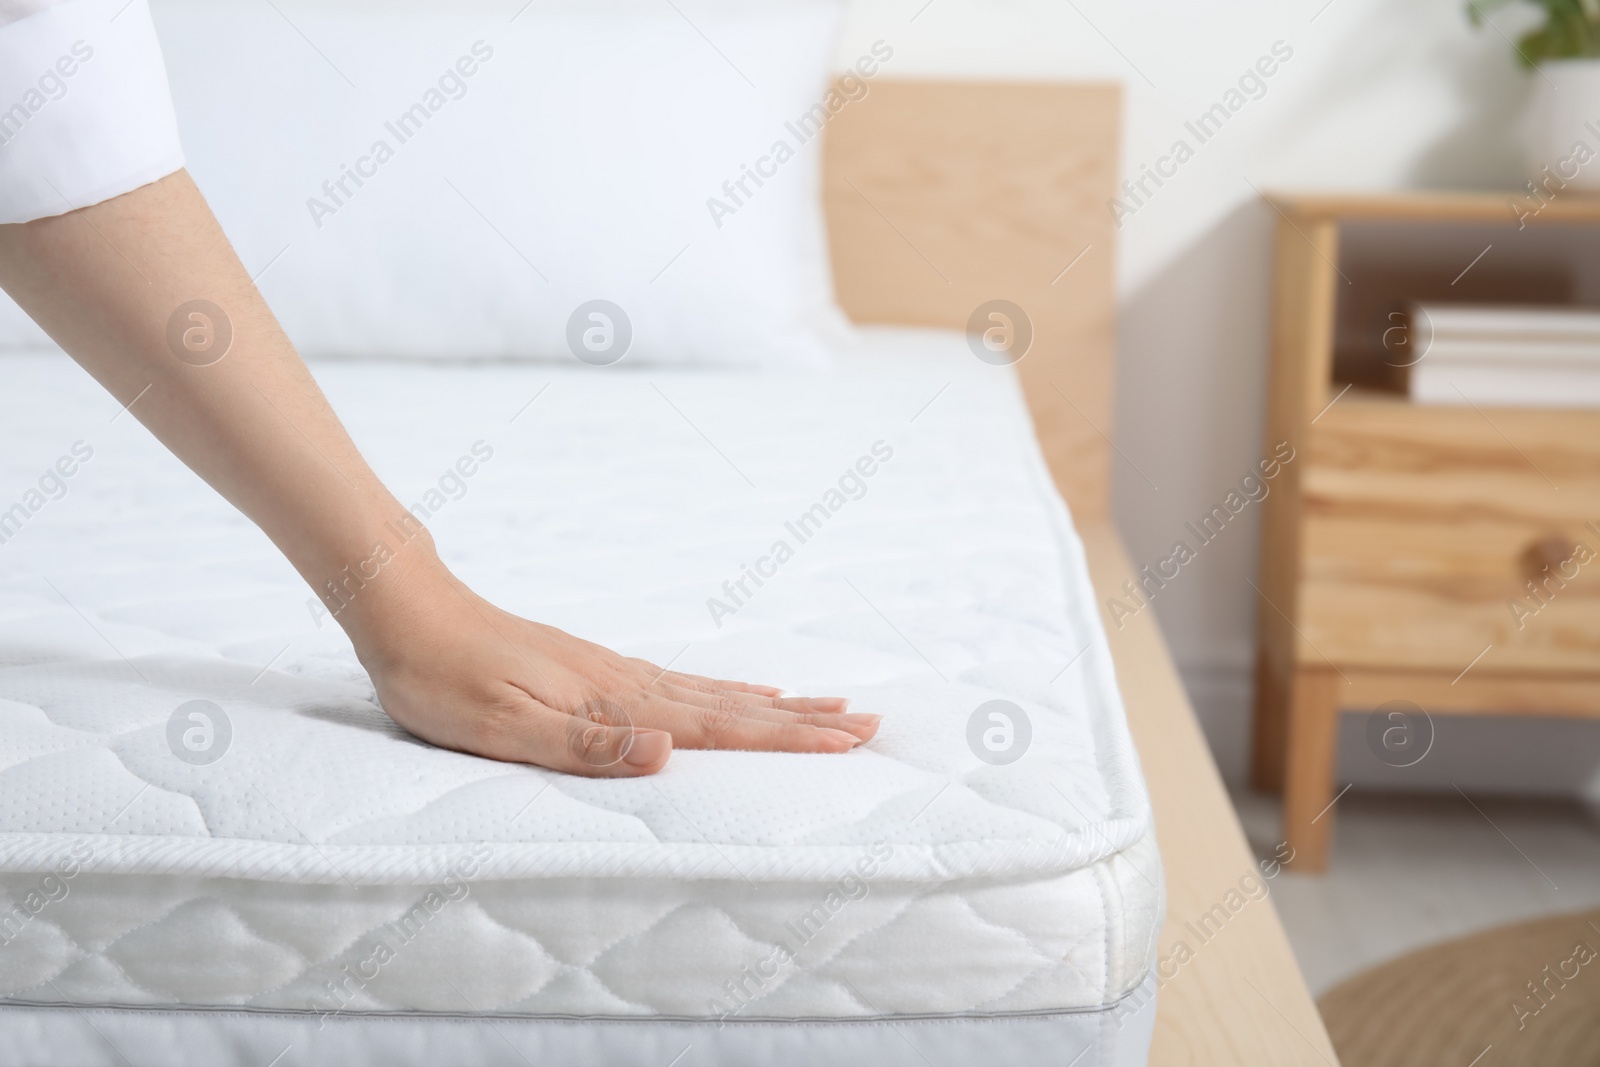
x,y
1403,534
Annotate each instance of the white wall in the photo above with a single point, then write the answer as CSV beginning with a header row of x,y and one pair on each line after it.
x,y
1378,94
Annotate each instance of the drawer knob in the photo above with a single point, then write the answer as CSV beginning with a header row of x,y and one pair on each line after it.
x,y
1547,555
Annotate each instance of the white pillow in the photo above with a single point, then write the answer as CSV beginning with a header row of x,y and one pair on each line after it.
x,y
566,157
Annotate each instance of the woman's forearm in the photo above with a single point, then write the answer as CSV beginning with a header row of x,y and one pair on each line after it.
x,y
120,286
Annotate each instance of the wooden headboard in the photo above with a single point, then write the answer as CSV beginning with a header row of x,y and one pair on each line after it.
x,y
943,195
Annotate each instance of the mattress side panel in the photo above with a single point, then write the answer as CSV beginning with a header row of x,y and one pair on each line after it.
x,y
729,951
63,1037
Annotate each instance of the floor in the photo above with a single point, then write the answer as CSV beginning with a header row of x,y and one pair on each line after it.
x,y
1409,870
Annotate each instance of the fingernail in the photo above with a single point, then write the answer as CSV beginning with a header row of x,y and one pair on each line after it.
x,y
839,735
646,748
861,718
828,703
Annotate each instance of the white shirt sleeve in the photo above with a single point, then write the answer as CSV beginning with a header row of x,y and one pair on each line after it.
x,y
85,111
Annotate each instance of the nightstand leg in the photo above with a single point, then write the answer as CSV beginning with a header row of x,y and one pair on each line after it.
x,y
1310,766
1270,739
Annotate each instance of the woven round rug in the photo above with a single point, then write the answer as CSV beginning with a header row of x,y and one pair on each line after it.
x,y
1526,995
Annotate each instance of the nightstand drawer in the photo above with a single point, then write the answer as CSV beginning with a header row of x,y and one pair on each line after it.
x,y
1412,594
1423,527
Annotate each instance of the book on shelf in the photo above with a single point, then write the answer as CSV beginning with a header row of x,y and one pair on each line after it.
x,y
1541,387
1504,355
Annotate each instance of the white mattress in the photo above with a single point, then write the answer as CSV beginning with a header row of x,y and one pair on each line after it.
x,y
907,879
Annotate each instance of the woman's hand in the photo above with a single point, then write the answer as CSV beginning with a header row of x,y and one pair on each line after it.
x,y
459,672
108,281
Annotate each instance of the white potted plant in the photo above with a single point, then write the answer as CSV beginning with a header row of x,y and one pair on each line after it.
x,y
1564,121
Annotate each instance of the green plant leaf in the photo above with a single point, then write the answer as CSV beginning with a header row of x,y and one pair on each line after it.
x,y
1571,29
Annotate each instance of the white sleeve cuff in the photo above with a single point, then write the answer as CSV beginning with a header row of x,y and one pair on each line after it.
x,y
85,111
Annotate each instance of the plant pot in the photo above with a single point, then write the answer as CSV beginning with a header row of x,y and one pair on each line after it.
x,y
1564,125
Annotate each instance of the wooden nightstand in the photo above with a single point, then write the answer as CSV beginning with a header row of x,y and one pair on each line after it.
x,y
1397,541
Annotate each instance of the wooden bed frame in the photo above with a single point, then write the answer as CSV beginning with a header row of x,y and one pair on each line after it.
x,y
943,195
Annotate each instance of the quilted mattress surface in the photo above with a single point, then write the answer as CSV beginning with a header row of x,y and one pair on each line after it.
x,y
292,849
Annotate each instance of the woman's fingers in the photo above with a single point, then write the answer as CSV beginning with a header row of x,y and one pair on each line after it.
x,y
723,685
764,695
739,687
730,725
763,710
535,733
